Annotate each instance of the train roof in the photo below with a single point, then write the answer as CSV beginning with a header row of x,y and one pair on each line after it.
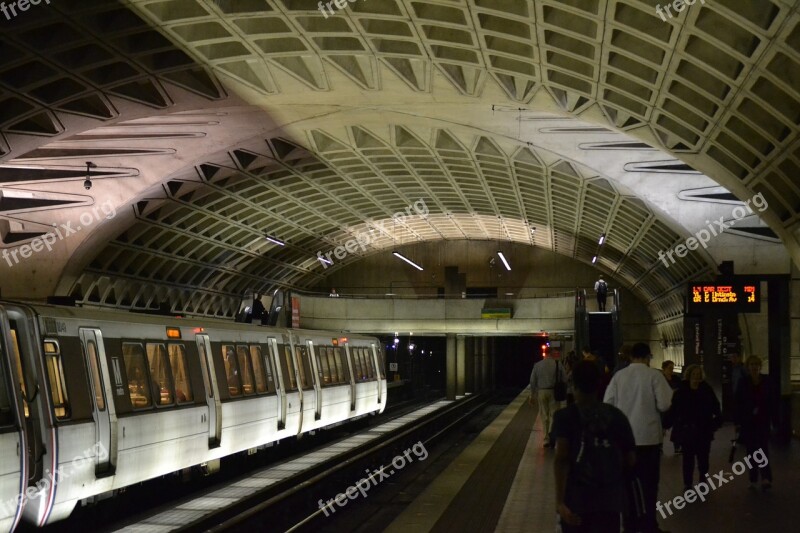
x,y
109,315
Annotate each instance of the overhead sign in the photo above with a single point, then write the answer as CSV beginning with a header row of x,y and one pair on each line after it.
x,y
738,297
496,312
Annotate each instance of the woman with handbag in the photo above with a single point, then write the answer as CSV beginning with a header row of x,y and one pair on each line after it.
x,y
697,416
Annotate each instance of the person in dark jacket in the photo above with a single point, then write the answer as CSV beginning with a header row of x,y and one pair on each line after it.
x,y
668,368
697,416
752,418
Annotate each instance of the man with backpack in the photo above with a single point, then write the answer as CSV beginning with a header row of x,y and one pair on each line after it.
x,y
601,288
594,453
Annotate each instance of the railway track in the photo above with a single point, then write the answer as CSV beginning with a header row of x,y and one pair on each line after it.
x,y
292,503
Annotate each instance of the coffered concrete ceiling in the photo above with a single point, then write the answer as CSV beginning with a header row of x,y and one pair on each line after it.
x,y
215,123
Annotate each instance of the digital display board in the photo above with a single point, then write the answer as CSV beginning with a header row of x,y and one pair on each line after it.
x,y
740,297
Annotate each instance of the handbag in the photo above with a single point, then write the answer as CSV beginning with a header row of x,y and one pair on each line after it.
x,y
560,387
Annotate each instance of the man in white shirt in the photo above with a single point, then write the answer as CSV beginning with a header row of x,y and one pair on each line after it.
x,y
642,393
543,379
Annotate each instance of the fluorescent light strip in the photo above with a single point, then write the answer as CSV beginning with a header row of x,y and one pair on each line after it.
x,y
594,259
326,261
602,239
274,240
503,259
407,260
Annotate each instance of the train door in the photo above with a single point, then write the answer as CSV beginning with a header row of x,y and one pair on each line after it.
x,y
352,377
212,391
293,363
13,468
312,356
281,389
105,415
378,373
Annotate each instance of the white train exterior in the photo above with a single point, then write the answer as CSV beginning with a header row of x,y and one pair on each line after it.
x,y
93,401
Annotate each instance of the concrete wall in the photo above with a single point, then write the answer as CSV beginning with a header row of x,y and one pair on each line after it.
x,y
534,272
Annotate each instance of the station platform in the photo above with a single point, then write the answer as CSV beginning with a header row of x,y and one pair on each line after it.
x,y
503,481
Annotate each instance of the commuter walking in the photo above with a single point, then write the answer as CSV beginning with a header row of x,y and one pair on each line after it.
x,y
738,372
605,373
544,376
601,288
623,358
594,453
569,367
752,419
643,394
668,369
697,416
668,418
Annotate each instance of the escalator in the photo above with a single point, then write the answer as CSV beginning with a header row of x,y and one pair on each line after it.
x,y
600,331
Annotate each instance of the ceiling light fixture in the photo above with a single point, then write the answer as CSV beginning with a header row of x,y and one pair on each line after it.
x,y
602,239
407,260
87,183
325,261
274,240
503,259
594,259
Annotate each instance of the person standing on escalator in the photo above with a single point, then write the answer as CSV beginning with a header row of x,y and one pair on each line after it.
x,y
601,288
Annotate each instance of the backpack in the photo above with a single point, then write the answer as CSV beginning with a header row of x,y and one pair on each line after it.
x,y
602,287
599,462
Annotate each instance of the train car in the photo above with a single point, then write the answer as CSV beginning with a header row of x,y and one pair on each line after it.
x,y
93,401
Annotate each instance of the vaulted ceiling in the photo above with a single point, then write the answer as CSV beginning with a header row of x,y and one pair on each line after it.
x,y
215,123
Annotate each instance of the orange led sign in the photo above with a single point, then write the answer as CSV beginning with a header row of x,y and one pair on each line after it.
x,y
738,296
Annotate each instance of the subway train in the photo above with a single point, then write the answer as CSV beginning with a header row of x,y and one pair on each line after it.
x,y
92,401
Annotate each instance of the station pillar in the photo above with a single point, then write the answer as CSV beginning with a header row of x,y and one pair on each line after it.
x,y
461,364
484,363
469,385
451,366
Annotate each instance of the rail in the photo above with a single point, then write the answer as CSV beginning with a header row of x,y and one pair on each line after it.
x,y
260,508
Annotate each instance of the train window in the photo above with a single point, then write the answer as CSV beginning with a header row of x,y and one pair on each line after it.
x,y
357,363
231,370
370,363
367,363
258,368
136,372
160,375
332,364
365,360
183,384
300,351
55,374
322,362
246,374
337,356
94,368
268,369
287,352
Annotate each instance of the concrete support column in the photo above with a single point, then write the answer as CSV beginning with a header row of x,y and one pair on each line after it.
x,y
478,364
493,363
461,365
451,366
469,385
484,364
